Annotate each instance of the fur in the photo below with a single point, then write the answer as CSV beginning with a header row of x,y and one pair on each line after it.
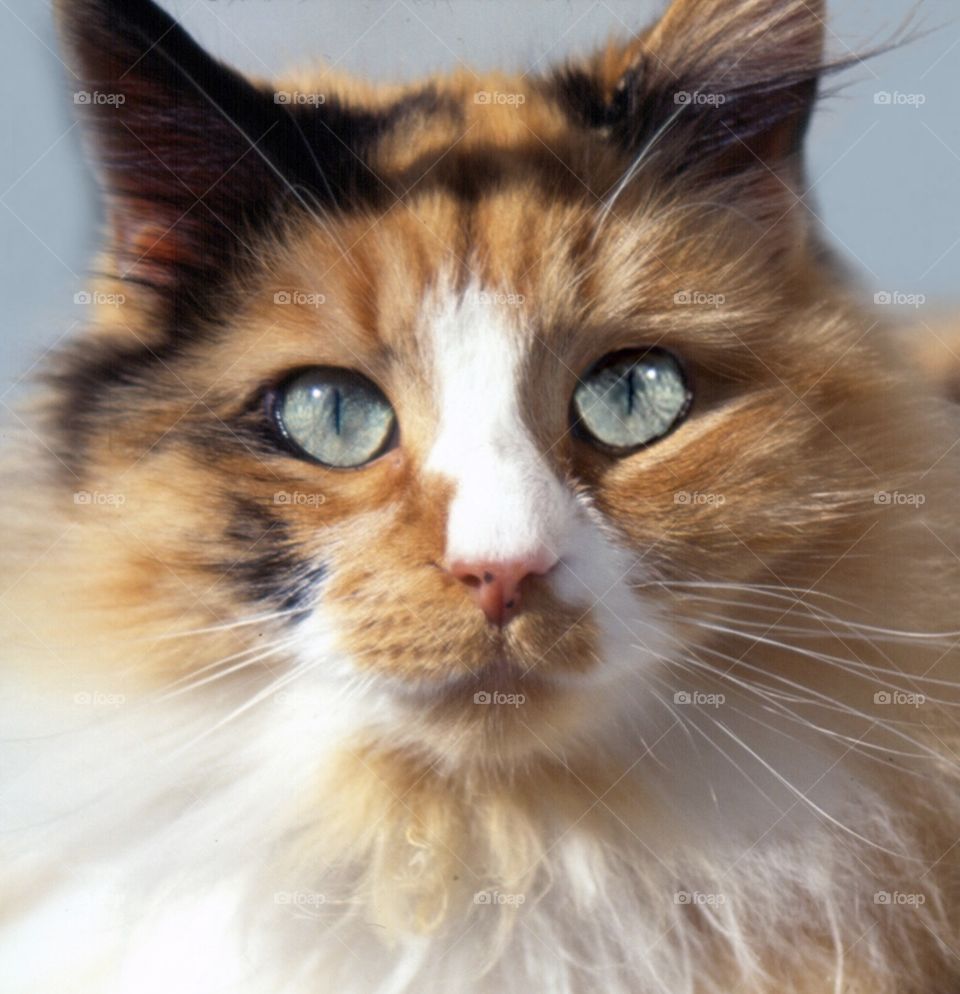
x,y
257,736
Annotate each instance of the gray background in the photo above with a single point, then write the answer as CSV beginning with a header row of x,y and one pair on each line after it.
x,y
884,177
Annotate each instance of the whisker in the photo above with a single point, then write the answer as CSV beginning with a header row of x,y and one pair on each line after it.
x,y
734,764
258,619
632,170
822,700
856,668
229,671
258,698
805,799
773,700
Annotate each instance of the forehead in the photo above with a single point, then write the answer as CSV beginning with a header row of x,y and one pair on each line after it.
x,y
378,290
565,282
504,220
513,201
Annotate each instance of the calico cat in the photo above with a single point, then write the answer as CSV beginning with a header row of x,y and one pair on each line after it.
x,y
482,542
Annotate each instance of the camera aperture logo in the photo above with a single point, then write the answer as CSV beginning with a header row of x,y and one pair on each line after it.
x,y
496,697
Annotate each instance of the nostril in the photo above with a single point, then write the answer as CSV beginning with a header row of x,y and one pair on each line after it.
x,y
497,587
471,576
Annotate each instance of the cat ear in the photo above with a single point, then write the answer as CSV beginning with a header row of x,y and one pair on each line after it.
x,y
194,156
722,85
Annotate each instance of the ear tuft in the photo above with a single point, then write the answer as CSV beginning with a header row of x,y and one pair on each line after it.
x,y
194,157
720,85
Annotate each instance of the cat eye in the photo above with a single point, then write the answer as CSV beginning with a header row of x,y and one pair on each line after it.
x,y
335,416
630,399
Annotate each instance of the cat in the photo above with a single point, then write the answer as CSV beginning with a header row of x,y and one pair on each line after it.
x,y
481,542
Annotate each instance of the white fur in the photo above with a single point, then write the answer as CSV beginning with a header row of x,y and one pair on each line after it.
x,y
175,872
508,504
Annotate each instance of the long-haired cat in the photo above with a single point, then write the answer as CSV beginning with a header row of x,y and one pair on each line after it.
x,y
480,543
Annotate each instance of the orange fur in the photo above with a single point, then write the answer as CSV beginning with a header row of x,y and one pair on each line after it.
x,y
805,412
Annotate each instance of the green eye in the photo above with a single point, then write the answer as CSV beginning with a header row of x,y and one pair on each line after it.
x,y
630,399
335,416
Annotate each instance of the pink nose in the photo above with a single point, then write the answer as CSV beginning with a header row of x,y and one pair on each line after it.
x,y
496,586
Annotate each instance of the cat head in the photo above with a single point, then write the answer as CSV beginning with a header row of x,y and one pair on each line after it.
x,y
461,388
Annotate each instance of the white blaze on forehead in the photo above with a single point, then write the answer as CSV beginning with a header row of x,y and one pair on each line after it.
x,y
507,503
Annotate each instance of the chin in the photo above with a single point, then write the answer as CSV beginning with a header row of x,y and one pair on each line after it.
x,y
569,676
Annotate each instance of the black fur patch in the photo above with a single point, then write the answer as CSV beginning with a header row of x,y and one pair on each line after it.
x,y
581,96
265,567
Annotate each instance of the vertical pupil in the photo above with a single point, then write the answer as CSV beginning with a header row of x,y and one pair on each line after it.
x,y
631,387
336,410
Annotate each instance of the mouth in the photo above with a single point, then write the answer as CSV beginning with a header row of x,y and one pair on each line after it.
x,y
504,681
497,680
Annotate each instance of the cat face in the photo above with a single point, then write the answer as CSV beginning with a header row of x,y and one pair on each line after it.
x,y
457,386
